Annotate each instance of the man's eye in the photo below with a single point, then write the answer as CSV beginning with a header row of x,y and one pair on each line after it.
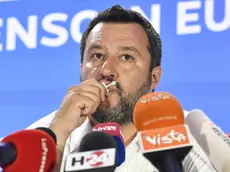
x,y
126,57
97,56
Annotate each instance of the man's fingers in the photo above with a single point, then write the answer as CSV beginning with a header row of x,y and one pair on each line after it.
x,y
94,82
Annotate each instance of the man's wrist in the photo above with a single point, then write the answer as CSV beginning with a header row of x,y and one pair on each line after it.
x,y
61,135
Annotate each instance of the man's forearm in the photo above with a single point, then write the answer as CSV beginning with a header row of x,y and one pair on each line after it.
x,y
60,150
61,141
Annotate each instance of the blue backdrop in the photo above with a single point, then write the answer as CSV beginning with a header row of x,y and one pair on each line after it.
x,y
39,54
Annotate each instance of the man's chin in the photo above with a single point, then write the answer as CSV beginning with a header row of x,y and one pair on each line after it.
x,y
112,99
108,105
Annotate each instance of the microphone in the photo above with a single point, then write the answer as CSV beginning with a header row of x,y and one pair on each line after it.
x,y
114,130
29,150
211,139
97,153
228,136
164,138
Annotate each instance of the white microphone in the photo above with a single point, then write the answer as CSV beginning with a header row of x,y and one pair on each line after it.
x,y
211,138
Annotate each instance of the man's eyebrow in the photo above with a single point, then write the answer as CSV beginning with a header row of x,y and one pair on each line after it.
x,y
129,48
95,46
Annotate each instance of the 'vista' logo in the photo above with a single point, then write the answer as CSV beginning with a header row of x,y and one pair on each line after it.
x,y
164,138
158,139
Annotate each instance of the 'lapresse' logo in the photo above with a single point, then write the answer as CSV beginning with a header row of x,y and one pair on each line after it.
x,y
44,154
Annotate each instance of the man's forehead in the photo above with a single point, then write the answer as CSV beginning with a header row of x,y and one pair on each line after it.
x,y
118,31
118,28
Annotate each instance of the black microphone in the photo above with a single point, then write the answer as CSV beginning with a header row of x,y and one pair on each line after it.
x,y
97,153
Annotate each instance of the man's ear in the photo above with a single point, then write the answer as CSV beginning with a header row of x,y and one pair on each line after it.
x,y
81,66
156,76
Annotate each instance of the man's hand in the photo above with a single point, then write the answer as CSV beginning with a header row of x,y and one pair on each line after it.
x,y
79,102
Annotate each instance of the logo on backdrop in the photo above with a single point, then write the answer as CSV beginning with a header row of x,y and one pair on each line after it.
x,y
188,21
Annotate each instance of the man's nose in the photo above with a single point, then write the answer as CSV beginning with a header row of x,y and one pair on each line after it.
x,y
109,68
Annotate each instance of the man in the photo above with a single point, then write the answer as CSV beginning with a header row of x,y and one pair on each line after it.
x,y
118,45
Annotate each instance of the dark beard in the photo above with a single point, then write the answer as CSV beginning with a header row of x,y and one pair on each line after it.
x,y
123,112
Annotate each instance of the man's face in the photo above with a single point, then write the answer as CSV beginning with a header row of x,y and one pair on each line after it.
x,y
118,52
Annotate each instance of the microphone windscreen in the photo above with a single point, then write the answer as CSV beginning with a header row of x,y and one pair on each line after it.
x,y
97,153
211,139
228,136
120,157
111,128
157,110
96,140
114,129
36,151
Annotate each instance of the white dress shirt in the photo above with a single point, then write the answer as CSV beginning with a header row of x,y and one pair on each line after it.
x,y
195,161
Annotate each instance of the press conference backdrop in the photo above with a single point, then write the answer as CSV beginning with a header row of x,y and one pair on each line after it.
x,y
39,54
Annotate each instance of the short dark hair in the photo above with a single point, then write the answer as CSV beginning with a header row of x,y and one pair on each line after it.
x,y
117,14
